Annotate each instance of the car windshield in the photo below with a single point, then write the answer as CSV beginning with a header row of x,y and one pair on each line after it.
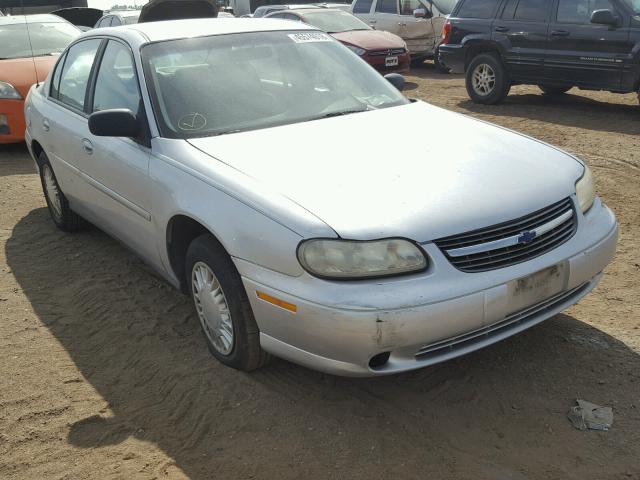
x,y
445,6
47,38
230,83
634,5
334,21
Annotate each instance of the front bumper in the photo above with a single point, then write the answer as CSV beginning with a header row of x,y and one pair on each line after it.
x,y
14,112
422,319
378,62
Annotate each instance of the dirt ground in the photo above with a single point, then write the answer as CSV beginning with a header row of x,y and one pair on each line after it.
x,y
104,373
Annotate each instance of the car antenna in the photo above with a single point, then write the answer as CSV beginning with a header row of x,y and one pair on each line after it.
x,y
35,69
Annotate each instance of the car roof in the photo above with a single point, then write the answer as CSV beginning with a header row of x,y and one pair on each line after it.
x,y
14,19
313,10
141,33
125,13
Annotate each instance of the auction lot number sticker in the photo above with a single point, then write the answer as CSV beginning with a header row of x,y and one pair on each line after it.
x,y
310,37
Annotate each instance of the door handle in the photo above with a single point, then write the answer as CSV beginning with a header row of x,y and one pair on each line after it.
x,y
501,29
560,33
45,125
87,146
372,21
402,24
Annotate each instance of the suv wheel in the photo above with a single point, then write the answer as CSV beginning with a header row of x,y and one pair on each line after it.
x,y
554,89
222,306
486,79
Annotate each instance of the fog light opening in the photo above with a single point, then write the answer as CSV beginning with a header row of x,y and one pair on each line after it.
x,y
379,360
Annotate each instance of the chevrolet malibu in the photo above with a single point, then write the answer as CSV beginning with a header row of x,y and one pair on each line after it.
x,y
238,157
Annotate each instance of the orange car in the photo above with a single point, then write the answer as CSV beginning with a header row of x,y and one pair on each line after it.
x,y
29,47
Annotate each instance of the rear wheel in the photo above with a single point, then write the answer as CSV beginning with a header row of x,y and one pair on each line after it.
x,y
554,89
222,306
61,214
486,79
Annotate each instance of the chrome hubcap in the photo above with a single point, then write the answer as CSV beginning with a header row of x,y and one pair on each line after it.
x,y
483,79
52,191
212,307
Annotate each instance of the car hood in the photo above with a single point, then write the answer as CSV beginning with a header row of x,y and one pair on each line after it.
x,y
370,39
414,171
21,72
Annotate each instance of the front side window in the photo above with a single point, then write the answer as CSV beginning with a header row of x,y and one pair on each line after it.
x,y
408,6
362,6
387,6
115,22
633,5
579,11
231,83
75,74
532,10
477,9
116,82
42,39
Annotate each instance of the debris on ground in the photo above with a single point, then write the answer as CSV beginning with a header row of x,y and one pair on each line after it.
x,y
586,415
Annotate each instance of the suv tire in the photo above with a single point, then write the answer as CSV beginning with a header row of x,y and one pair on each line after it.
x,y
554,89
486,79
222,306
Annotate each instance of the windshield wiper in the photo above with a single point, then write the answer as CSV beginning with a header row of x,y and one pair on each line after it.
x,y
339,113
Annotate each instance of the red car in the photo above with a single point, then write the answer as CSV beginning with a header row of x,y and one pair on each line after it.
x,y
384,51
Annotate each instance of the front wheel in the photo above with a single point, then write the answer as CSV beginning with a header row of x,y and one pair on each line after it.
x,y
486,79
222,306
554,89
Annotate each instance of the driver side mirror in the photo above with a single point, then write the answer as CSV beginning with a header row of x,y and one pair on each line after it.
x,y
396,80
114,123
604,17
421,13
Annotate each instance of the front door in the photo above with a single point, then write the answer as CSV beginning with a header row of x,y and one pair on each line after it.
x,y
419,33
118,168
582,53
522,28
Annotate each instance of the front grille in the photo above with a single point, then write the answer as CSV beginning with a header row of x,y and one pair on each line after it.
x,y
502,329
511,242
391,51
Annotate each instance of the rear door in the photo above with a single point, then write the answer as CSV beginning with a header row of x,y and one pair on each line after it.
x,y
386,16
582,53
521,28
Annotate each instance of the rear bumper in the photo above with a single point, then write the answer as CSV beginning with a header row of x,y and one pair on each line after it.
x,y
13,132
453,57
423,320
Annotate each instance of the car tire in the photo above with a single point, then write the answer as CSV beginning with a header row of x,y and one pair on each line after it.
x,y
487,80
554,89
61,214
222,306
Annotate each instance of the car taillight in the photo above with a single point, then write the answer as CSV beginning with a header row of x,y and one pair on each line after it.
x,y
446,31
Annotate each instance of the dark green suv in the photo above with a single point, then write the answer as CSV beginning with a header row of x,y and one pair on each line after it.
x,y
555,44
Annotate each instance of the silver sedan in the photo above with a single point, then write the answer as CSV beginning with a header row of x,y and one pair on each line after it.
x,y
267,171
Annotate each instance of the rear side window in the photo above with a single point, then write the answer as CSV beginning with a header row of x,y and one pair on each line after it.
x,y
527,10
477,9
116,22
579,11
387,6
75,74
362,6
55,79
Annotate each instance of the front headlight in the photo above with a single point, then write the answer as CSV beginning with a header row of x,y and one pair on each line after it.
x,y
585,190
8,92
357,50
344,259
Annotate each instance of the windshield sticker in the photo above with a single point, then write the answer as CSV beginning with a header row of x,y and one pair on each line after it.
x,y
310,37
192,122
